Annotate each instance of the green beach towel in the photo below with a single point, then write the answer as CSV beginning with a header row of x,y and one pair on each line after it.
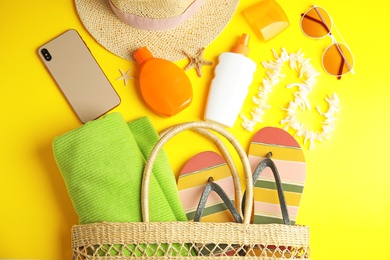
x,y
102,164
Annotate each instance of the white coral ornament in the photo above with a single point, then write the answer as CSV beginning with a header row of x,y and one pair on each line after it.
x,y
307,75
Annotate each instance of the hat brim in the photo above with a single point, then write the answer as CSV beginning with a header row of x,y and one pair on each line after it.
x,y
122,39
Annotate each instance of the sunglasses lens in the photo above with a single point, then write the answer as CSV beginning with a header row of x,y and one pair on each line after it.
x,y
316,23
338,59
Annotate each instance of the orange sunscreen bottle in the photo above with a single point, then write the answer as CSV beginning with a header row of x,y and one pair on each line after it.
x,y
165,87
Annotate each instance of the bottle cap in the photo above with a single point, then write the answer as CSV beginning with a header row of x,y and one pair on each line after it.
x,y
142,54
242,45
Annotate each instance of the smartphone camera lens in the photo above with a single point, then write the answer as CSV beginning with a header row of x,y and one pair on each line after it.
x,y
46,54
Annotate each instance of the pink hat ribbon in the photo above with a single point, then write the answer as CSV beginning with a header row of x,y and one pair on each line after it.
x,y
151,24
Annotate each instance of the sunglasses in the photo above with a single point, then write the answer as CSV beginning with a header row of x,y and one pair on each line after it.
x,y
337,59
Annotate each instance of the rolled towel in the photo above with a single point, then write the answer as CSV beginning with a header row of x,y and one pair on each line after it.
x,y
146,137
102,164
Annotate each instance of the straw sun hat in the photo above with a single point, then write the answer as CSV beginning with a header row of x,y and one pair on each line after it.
x,y
166,27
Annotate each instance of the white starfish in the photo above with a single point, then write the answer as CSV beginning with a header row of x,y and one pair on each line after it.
x,y
125,76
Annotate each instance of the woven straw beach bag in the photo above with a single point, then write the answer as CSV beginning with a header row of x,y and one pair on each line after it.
x,y
193,240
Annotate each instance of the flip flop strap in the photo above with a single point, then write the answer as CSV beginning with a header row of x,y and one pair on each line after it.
x,y
282,200
212,186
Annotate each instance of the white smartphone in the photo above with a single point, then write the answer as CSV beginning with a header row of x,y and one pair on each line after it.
x,y
79,76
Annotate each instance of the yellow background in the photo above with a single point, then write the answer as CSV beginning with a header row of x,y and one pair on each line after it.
x,y
346,199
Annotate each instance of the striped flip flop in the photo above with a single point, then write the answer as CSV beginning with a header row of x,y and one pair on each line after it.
x,y
288,157
194,177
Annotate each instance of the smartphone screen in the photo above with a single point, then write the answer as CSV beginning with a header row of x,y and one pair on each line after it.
x,y
79,76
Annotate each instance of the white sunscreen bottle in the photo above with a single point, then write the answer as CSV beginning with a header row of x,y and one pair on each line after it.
x,y
229,87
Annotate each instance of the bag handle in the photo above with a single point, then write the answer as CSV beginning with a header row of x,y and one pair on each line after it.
x,y
193,126
229,161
